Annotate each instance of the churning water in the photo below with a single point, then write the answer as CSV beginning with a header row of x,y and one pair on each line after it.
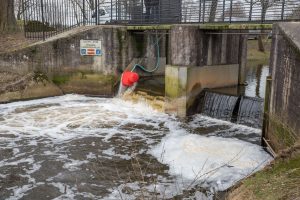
x,y
77,147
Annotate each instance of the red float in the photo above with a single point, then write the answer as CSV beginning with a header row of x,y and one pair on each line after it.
x,y
129,78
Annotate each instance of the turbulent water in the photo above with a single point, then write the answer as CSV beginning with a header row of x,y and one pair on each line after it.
x,y
76,147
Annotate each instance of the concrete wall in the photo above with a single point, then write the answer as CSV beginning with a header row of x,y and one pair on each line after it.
x,y
191,46
283,127
202,59
57,60
183,84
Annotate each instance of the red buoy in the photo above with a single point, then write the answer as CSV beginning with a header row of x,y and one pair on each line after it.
x,y
129,78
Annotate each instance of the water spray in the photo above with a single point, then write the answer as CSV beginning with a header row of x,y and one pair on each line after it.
x,y
130,78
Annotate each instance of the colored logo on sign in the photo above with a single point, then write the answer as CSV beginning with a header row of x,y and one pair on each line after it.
x,y
83,51
98,52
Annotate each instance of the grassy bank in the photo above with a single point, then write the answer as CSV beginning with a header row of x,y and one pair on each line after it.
x,y
255,56
280,180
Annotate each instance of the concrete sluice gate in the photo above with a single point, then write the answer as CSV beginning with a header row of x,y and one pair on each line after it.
x,y
237,109
79,147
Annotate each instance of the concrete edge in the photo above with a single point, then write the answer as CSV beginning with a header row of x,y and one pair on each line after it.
x,y
292,37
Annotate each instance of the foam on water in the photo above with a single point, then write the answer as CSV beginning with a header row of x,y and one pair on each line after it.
x,y
70,133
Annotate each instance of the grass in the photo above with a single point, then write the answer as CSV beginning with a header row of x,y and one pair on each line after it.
x,y
281,180
257,57
61,79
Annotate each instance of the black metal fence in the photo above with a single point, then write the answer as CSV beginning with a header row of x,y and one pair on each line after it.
x,y
45,18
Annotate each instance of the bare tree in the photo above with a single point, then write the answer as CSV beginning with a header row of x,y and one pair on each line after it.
x,y
238,10
265,5
213,10
7,16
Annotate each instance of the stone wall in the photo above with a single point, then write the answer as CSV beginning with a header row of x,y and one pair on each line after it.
x,y
283,128
57,60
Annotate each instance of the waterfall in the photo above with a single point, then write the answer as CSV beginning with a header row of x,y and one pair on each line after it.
x,y
242,110
250,112
218,105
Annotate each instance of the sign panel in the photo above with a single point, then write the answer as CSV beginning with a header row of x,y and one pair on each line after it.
x,y
90,48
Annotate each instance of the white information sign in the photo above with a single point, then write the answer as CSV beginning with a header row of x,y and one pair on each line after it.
x,y
90,48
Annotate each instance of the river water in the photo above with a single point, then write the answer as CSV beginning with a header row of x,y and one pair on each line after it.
x,y
77,147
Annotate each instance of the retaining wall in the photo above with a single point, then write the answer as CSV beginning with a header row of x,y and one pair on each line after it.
x,y
283,116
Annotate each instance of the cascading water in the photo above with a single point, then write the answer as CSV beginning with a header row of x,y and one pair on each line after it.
x,y
241,110
219,106
250,112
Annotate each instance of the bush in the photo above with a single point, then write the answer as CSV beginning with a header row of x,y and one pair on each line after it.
x,y
37,26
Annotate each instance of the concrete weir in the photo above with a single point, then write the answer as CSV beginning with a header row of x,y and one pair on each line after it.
x,y
202,58
196,57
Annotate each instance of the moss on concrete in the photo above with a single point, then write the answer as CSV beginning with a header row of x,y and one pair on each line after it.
x,y
207,26
60,79
174,88
235,26
86,83
150,27
282,136
171,85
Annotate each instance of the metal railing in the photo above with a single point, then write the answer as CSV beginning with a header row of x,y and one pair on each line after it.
x,y
45,18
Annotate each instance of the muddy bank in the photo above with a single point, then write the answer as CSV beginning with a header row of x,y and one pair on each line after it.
x,y
14,86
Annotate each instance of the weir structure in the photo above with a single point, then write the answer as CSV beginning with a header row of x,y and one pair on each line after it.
x,y
202,44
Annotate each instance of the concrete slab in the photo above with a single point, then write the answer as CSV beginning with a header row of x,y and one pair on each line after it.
x,y
183,84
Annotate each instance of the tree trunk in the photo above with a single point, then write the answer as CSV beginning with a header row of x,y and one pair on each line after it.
x,y
7,16
261,46
213,10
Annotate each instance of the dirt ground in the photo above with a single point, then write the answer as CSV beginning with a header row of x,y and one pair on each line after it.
x,y
13,41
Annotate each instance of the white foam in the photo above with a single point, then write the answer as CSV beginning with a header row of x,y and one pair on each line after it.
x,y
91,156
59,120
211,161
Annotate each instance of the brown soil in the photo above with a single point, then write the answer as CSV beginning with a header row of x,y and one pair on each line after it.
x,y
13,41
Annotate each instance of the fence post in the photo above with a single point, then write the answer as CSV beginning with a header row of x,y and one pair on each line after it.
x,y
111,10
24,18
200,8
203,17
250,12
230,17
142,15
224,1
282,9
96,7
43,19
83,14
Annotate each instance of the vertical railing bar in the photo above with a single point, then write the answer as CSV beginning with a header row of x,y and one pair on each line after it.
x,y
24,18
203,17
200,10
142,16
83,13
230,17
111,10
282,9
43,20
224,1
96,11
